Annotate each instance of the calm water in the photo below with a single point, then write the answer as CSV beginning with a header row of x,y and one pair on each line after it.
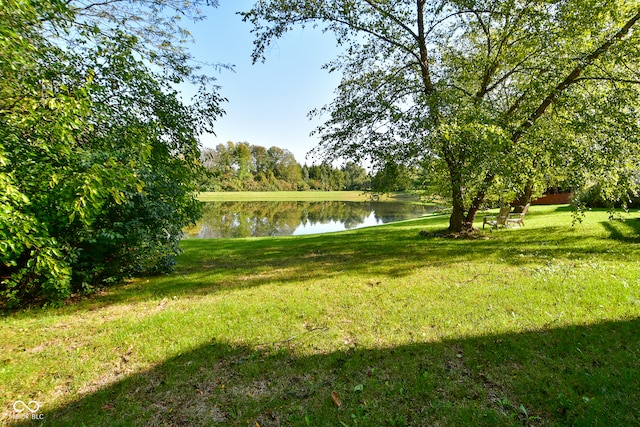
x,y
253,219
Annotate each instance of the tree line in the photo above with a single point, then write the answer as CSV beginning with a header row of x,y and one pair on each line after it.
x,y
245,167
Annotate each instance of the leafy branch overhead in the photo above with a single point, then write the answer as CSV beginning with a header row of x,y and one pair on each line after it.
x,y
493,97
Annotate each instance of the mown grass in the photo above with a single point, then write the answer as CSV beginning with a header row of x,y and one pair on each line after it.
x,y
322,196
377,326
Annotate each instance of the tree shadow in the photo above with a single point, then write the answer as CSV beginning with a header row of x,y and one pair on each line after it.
x,y
576,375
396,250
627,231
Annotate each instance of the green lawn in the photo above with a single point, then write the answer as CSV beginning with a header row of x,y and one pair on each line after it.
x,y
372,327
312,196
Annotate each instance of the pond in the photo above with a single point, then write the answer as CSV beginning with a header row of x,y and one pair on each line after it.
x,y
254,219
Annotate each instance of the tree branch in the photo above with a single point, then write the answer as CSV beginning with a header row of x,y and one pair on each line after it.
x,y
486,85
424,53
572,77
609,79
387,15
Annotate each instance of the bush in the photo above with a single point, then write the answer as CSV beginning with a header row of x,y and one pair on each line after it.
x,y
99,158
596,197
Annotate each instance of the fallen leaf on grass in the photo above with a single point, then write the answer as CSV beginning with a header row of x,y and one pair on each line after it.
x,y
336,399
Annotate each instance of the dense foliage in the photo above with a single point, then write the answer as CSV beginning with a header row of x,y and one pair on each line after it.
x,y
98,156
245,167
491,97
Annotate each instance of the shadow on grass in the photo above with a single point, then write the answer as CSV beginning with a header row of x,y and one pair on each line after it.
x,y
578,375
627,231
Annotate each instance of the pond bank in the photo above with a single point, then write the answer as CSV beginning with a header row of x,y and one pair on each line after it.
x,y
267,196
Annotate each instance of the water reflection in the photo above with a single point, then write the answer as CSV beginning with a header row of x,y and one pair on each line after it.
x,y
247,219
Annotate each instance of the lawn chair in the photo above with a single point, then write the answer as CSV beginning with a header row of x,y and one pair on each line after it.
x,y
518,218
497,220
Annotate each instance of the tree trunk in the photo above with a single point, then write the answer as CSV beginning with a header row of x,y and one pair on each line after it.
x,y
478,200
456,220
474,208
525,197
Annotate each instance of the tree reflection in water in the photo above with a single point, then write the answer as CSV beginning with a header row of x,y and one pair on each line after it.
x,y
254,219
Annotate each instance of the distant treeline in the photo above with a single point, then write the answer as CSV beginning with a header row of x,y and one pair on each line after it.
x,y
245,167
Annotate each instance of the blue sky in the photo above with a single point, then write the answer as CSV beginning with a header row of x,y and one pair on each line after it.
x,y
268,102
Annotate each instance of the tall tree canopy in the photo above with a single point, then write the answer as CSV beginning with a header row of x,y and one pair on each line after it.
x,y
98,155
491,94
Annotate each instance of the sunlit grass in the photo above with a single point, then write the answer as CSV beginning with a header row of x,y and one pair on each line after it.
x,y
534,325
270,196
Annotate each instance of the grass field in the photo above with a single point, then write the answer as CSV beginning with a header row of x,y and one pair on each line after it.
x,y
373,327
270,196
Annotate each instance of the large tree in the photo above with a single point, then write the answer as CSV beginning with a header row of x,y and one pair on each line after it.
x,y
98,155
492,94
